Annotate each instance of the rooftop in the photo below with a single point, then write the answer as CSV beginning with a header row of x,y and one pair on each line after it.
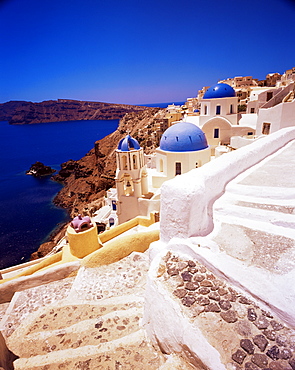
x,y
220,90
183,137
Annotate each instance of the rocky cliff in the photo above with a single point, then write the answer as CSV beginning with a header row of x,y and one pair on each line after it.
x,y
22,112
86,180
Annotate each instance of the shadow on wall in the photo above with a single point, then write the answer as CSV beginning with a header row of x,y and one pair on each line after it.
x,y
6,356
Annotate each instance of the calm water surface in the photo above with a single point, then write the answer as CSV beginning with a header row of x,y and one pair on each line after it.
x,y
27,215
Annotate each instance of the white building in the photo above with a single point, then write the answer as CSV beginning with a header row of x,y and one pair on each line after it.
x,y
277,116
219,117
183,147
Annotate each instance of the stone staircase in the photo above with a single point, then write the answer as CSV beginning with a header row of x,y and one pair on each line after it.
x,y
106,335
98,325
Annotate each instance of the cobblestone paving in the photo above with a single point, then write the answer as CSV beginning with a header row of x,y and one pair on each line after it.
x,y
246,336
126,275
31,300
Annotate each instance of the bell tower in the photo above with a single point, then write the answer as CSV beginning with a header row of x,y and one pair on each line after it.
x,y
131,178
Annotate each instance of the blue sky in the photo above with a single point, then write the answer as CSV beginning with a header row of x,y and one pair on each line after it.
x,y
138,51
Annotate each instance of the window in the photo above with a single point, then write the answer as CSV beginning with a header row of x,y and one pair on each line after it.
x,y
250,133
124,162
216,133
269,96
265,128
197,164
177,168
128,185
252,110
161,165
231,109
205,110
134,162
218,109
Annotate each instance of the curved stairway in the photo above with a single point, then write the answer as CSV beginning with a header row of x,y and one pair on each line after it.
x,y
97,326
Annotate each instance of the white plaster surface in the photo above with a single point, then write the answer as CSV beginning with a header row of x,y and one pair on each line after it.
x,y
187,200
279,116
248,120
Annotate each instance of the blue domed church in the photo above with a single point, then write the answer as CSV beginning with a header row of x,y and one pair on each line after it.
x,y
183,147
219,114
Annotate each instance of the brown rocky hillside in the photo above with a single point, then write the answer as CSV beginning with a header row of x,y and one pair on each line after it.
x,y
86,180
23,112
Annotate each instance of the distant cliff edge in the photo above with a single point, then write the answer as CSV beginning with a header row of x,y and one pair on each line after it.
x,y
23,112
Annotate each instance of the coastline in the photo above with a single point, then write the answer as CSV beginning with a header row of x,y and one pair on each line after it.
x,y
29,216
82,190
54,237
86,180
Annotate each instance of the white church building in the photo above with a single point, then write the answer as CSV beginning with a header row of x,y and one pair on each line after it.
x,y
269,110
183,147
219,117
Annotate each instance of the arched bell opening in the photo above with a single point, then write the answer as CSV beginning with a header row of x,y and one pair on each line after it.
x,y
128,185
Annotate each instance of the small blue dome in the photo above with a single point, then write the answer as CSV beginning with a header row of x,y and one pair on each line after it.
x,y
128,143
219,91
183,137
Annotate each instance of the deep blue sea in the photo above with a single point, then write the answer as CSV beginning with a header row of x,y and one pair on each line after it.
x,y
27,214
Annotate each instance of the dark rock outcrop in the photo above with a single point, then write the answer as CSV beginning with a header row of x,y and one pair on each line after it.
x,y
38,169
22,112
43,250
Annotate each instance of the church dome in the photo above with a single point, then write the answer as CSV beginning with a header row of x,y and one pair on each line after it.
x,y
219,91
128,143
183,137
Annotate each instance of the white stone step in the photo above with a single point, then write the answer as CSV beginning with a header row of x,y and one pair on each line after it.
x,y
133,351
94,331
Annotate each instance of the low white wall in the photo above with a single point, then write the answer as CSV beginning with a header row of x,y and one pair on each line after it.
x,y
187,200
58,272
